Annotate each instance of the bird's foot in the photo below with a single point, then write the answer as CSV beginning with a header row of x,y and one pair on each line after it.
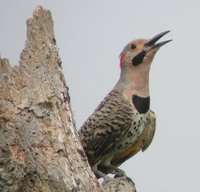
x,y
104,170
99,173
112,169
118,172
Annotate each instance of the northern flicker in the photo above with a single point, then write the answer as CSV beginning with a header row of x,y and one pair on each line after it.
x,y
123,123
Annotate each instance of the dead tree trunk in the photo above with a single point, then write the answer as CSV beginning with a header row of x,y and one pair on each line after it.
x,y
39,146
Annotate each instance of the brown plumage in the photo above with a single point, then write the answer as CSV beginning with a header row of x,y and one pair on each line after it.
x,y
123,123
142,142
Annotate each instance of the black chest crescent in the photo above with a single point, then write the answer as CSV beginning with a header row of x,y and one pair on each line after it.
x,y
142,104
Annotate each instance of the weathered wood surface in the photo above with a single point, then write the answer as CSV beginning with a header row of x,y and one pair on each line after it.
x,y
119,184
39,146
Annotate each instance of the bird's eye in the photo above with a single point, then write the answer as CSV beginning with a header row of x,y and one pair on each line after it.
x,y
133,46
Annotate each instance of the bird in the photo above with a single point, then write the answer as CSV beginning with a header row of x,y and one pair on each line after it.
x,y
123,124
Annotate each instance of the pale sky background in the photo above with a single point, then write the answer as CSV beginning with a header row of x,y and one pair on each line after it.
x,y
90,35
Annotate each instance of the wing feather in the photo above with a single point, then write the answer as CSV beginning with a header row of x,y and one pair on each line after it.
x,y
109,122
151,126
142,142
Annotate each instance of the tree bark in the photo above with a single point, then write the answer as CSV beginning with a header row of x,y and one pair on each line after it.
x,y
119,184
39,145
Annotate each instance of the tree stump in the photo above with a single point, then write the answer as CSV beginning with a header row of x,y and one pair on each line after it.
x,y
39,145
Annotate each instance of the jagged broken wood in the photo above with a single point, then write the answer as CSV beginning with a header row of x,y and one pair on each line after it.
x,y
39,146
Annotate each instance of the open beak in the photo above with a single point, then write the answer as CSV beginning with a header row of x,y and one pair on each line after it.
x,y
151,44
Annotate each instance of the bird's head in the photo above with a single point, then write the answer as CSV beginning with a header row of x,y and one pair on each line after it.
x,y
135,62
141,52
